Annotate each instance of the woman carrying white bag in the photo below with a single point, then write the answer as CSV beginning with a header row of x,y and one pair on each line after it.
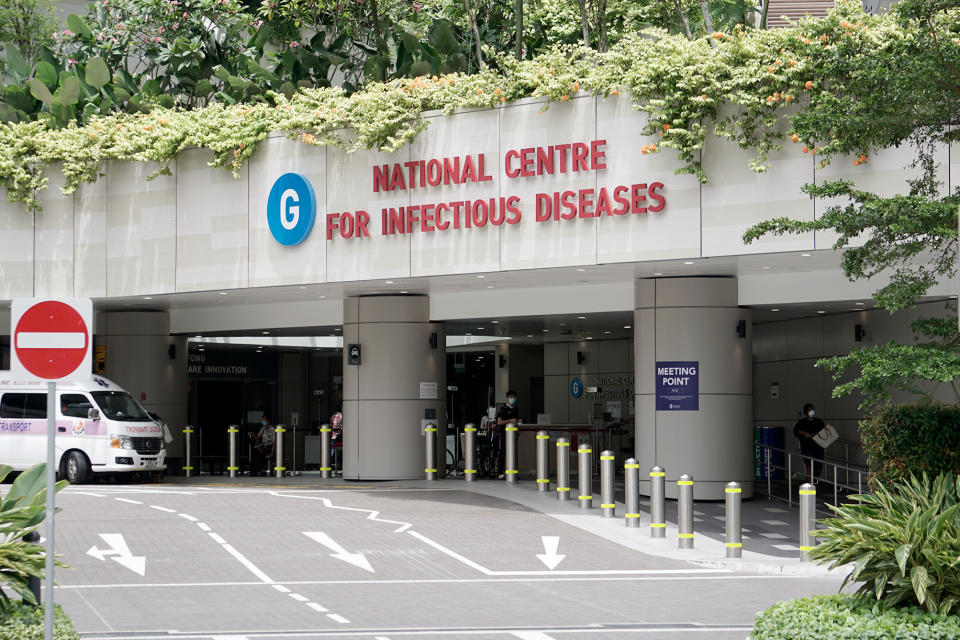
x,y
815,436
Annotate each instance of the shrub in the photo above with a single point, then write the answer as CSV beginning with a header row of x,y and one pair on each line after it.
x,y
904,438
25,622
904,542
847,617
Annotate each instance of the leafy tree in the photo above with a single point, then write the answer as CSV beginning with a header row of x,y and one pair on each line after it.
x,y
28,24
904,93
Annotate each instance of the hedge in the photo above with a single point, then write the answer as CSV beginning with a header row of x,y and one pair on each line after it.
x,y
24,622
848,617
904,438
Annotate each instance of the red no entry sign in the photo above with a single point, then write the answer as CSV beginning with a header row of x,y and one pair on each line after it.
x,y
51,338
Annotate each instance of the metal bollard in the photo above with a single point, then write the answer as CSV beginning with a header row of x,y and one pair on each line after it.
x,y
326,467
808,512
470,452
430,431
585,474
563,469
734,538
543,474
658,518
278,467
510,472
187,457
232,432
608,504
685,511
33,582
631,490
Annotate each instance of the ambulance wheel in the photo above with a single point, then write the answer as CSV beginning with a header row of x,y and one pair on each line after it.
x,y
76,468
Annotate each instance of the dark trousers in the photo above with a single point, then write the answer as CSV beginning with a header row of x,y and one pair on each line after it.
x,y
811,449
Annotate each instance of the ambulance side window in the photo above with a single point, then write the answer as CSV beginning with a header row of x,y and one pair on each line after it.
x,y
23,405
74,405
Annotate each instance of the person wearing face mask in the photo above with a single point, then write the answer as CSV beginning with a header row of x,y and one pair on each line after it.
x,y
508,413
806,428
266,438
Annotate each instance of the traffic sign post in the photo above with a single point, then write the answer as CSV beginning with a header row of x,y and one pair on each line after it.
x,y
51,340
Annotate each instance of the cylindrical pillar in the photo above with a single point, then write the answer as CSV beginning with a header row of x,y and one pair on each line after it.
x,y
685,511
585,475
693,382
543,473
734,541
278,467
430,449
563,469
232,432
808,513
631,490
608,504
470,452
187,452
658,516
326,466
510,470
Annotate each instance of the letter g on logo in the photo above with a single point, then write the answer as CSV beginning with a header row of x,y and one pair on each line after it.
x,y
291,209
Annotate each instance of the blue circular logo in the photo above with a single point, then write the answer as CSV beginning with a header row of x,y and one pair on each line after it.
x,y
291,209
576,387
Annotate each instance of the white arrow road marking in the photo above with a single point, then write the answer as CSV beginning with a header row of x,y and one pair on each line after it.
x,y
549,556
119,553
356,559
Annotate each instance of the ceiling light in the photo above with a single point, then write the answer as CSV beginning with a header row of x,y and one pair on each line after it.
x,y
529,335
197,336
805,255
469,334
323,297
581,270
688,262
147,298
403,292
545,330
481,328
481,277
774,309
606,332
820,311
337,329
581,317
765,267
860,304
657,273
627,326
302,287
589,338
223,293
489,286
494,322
563,324
266,333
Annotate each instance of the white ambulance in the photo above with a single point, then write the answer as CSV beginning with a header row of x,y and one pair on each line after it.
x,y
100,429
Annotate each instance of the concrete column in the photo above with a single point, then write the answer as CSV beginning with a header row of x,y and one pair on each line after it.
x,y
695,319
144,359
382,404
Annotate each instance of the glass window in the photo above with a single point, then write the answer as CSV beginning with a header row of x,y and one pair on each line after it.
x,y
74,405
118,405
23,405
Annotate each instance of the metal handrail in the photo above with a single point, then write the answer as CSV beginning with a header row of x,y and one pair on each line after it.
x,y
766,459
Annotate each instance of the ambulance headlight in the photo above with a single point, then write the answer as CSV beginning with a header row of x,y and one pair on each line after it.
x,y
121,442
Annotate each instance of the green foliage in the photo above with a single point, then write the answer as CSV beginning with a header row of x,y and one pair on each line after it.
x,y
846,617
904,542
28,24
25,622
912,438
22,510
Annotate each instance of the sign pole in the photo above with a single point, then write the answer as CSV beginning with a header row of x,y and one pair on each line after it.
x,y
51,508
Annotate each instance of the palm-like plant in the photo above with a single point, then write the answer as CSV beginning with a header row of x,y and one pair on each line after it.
x,y
904,542
22,510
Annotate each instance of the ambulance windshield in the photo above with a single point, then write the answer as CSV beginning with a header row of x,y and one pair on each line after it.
x,y
118,405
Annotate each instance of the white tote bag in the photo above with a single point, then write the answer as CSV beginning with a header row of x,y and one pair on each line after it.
x,y
827,436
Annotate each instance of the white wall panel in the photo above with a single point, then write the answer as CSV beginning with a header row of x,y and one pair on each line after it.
x,y
735,197
462,250
90,233
212,224
532,244
673,232
53,275
16,249
141,229
350,188
272,263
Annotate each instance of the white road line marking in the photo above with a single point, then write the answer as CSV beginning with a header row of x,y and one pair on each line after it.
x,y
127,500
51,340
217,538
252,568
281,588
203,526
164,509
531,635
774,536
774,523
298,597
724,575
186,516
336,617
784,547
774,510
453,554
317,607
86,493
374,515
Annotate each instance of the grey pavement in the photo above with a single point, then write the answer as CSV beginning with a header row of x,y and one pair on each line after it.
x,y
304,558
